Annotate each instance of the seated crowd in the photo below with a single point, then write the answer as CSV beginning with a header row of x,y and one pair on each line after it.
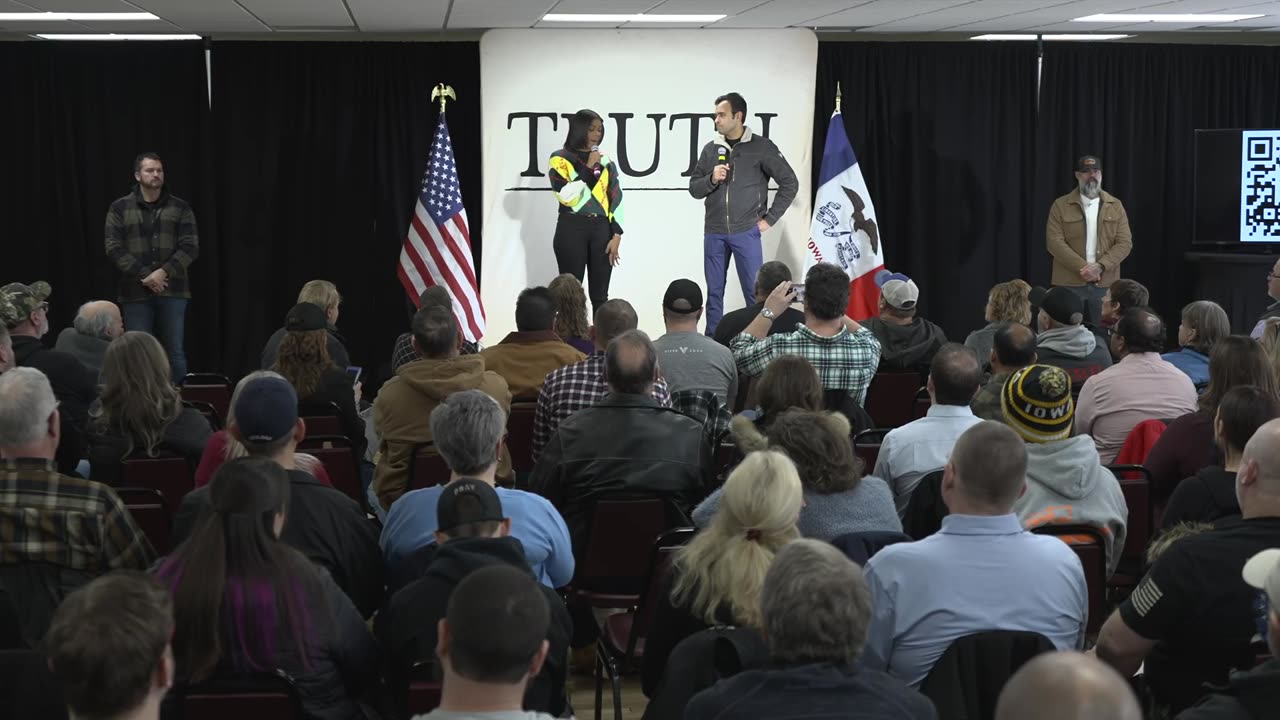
x,y
955,565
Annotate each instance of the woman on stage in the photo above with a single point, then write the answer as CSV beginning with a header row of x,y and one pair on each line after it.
x,y
589,229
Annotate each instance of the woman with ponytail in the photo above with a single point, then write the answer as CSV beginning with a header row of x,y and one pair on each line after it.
x,y
246,603
716,578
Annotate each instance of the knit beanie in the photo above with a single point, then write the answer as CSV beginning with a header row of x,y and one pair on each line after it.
x,y
1036,403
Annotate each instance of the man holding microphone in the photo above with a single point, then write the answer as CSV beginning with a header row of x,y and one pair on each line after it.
x,y
732,179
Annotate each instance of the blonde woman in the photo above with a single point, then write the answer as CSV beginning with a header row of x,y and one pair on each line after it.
x,y
223,447
139,412
1271,343
1008,302
716,578
572,324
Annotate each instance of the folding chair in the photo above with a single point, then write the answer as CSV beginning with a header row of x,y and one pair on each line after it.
x,y
147,507
427,468
1135,483
1089,545
263,696
169,474
520,433
866,445
209,412
891,398
339,460
326,423
211,388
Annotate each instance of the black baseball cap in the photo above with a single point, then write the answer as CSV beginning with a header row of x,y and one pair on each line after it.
x,y
266,410
1062,304
683,297
1088,162
305,317
466,501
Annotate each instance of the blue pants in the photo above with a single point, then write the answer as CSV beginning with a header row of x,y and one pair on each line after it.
x,y
747,258
163,317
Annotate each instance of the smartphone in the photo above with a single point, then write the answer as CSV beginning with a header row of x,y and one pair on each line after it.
x,y
799,288
354,373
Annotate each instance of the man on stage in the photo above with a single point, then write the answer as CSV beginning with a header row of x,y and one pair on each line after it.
x,y
1088,236
151,238
732,178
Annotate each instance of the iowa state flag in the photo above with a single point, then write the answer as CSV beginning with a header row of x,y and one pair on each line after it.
x,y
843,231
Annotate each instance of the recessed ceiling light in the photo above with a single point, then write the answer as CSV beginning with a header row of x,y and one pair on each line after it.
x,y
624,18
114,36
47,16
1164,18
1004,36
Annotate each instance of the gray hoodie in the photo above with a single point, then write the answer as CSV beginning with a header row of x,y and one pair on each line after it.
x,y
1068,485
1074,349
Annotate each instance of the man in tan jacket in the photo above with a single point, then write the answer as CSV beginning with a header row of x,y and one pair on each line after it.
x,y
524,357
403,408
1088,236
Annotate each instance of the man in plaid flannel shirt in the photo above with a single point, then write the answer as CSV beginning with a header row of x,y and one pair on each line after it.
x,y
844,353
581,385
151,238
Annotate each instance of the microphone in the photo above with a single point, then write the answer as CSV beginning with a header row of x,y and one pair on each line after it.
x,y
723,152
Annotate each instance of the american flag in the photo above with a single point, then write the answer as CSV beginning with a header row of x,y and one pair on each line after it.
x,y
437,245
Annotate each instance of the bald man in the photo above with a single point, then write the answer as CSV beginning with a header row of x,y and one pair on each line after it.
x,y
1067,686
1192,618
97,323
1013,347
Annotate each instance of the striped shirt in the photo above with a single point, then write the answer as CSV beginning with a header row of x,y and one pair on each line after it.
x,y
845,361
70,522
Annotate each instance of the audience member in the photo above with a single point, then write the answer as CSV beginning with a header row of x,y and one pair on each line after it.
x,y
407,400
1191,620
1273,310
627,445
6,349
524,357
1210,494
1064,341
1008,303
244,598
324,295
1204,323
907,342
1066,480
95,326
769,276
716,578
922,446
689,360
66,521
1254,694
404,350
1123,295
474,533
980,572
108,647
844,353
303,359
1187,444
815,608
1270,342
570,389
139,412
469,429
223,446
789,383
572,324
1013,348
24,311
1140,387
492,645
324,525
1067,686
838,500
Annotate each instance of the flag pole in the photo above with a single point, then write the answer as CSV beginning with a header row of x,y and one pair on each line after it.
x,y
445,93
838,96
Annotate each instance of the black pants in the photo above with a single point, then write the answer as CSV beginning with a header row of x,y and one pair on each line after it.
x,y
582,244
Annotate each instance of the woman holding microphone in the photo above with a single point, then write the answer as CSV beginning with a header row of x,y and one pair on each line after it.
x,y
589,229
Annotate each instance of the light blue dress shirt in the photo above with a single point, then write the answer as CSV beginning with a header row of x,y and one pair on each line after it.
x,y
978,573
920,447
411,526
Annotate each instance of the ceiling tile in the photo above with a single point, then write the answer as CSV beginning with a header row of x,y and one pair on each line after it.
x,y
883,11
399,15
70,6
300,13
592,6
206,16
786,13
497,13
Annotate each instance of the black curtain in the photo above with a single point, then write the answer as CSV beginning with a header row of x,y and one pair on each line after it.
x,y
1137,107
320,149
73,117
944,134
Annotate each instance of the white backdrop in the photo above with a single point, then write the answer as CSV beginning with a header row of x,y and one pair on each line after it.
x,y
651,74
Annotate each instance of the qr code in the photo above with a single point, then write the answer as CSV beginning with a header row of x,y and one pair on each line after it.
x,y
1259,201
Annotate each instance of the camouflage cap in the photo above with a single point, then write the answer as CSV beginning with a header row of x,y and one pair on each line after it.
x,y
18,301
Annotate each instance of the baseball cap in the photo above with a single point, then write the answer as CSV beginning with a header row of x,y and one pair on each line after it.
x,y
683,296
18,301
897,289
1263,572
266,411
1088,162
1062,305
1036,403
305,316
465,501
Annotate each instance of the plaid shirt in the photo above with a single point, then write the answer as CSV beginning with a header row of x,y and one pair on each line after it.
x,y
572,388
705,407
69,522
845,361
172,245
404,353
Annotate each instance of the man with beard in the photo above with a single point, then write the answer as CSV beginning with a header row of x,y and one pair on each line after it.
x,y
1088,236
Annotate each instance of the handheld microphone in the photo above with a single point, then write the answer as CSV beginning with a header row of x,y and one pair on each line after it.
x,y
723,152
596,149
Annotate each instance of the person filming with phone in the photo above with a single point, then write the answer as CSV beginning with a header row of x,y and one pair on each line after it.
x,y
844,353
